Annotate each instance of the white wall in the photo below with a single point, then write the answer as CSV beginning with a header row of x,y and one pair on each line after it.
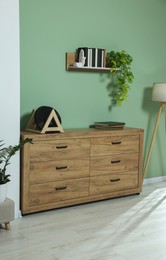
x,y
10,88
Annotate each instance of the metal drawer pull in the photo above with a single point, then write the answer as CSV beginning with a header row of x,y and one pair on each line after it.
x,y
113,180
116,161
62,147
61,167
116,142
61,188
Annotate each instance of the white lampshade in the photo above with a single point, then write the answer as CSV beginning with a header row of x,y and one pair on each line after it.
x,y
159,92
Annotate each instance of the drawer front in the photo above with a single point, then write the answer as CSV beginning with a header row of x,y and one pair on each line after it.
x,y
58,170
59,149
58,191
116,144
114,163
113,182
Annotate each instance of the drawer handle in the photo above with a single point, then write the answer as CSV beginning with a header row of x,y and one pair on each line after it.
x,y
61,167
116,142
61,147
116,161
114,180
61,188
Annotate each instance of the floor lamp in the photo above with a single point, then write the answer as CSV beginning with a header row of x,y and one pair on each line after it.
x,y
158,94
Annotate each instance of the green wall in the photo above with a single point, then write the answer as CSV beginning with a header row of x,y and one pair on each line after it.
x,y
50,28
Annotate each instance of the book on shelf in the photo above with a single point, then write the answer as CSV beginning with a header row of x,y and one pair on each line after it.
x,y
96,56
93,57
89,57
103,58
100,58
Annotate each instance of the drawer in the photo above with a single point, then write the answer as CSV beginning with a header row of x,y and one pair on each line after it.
x,y
58,191
59,149
113,182
114,163
41,172
116,144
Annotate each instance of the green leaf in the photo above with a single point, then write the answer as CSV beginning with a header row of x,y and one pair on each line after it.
x,y
121,80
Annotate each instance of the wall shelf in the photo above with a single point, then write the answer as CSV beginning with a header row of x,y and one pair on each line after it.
x,y
71,57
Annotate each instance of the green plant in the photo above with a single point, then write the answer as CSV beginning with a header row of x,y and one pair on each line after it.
x,y
5,154
121,75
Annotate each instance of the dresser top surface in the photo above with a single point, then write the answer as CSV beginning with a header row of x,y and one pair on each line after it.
x,y
83,132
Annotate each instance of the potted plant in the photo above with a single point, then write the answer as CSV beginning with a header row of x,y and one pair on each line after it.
x,y
5,155
121,75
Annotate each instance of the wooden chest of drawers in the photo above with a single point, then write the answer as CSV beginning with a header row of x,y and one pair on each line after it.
x,y
79,166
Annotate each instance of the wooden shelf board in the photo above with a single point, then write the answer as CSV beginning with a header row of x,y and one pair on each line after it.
x,y
88,69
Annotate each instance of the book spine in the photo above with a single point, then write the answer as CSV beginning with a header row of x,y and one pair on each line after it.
x,y
90,57
93,57
96,55
99,58
104,57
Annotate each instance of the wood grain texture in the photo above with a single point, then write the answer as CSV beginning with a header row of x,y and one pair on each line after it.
x,y
79,166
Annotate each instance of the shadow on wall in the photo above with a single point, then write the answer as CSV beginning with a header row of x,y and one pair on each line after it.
x,y
151,108
24,121
148,105
111,88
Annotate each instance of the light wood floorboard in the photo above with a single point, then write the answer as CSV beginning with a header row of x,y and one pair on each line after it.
x,y
128,228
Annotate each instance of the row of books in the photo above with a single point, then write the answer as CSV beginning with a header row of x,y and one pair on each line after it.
x,y
108,125
95,57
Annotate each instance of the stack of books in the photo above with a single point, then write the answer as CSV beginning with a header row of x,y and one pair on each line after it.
x,y
108,125
95,57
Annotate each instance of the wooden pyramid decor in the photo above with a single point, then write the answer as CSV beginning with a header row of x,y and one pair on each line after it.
x,y
32,126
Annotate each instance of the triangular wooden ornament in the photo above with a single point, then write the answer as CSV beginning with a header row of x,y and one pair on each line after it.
x,y
47,128
32,126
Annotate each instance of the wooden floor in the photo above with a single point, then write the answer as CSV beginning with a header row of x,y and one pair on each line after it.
x,y
129,228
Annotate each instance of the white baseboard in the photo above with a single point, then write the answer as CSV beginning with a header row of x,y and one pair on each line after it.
x,y
154,180
18,214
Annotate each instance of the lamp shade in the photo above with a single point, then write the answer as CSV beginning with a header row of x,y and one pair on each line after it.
x,y
159,92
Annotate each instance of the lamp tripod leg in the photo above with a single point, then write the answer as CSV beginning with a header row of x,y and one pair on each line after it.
x,y
152,141
165,119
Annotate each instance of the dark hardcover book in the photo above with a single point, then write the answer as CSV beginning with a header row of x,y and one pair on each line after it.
x,y
100,57
108,127
96,55
85,49
93,57
109,124
99,54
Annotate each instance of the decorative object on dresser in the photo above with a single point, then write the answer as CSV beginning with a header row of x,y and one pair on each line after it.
x,y
82,165
159,95
44,119
108,125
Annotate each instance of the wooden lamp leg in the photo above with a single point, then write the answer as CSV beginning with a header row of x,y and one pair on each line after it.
x,y
152,141
7,226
